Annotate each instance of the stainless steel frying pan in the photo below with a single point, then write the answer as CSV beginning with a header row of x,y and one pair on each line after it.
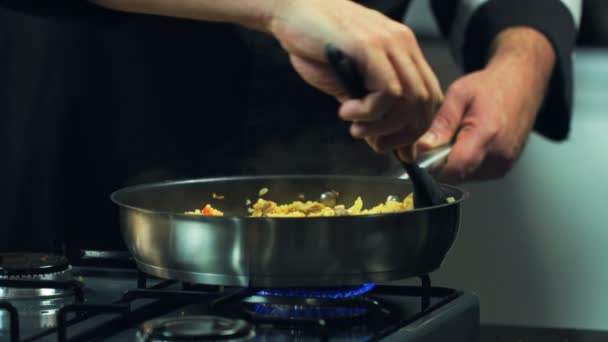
x,y
276,252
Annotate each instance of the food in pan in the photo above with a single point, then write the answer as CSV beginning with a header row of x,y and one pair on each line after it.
x,y
207,210
216,196
266,208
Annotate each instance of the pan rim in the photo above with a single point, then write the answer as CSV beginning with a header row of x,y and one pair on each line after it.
x,y
464,195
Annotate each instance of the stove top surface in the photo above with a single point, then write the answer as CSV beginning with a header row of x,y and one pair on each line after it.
x,y
124,305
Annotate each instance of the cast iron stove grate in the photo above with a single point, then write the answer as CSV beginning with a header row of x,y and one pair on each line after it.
x,y
380,320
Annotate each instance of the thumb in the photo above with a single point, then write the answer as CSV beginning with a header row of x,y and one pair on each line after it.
x,y
445,124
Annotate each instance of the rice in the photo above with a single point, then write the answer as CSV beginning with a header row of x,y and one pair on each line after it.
x,y
266,208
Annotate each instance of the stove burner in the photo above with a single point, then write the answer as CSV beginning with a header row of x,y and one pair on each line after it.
x,y
195,328
303,313
13,265
299,309
23,275
310,304
332,292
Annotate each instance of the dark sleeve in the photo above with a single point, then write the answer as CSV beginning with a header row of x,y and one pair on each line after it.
x,y
551,17
81,11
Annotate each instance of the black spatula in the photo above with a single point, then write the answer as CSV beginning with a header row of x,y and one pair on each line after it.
x,y
427,192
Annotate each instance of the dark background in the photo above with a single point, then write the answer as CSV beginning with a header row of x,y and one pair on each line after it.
x,y
85,109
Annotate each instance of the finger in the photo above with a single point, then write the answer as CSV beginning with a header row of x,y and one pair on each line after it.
x,y
391,123
500,158
419,80
400,55
490,168
372,108
372,142
407,153
429,78
467,154
404,137
409,76
416,95
446,121
379,72
383,83
319,75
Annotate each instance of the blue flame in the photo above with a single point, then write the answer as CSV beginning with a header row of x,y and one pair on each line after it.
x,y
285,311
333,293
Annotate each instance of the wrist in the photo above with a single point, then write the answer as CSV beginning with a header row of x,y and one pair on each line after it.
x,y
264,16
527,52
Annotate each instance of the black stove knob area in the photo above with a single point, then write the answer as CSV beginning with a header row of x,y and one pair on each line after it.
x,y
195,329
31,264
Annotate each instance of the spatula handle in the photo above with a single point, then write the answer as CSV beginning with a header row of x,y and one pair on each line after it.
x,y
346,71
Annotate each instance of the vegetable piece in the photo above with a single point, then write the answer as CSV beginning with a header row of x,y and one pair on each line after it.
x,y
208,210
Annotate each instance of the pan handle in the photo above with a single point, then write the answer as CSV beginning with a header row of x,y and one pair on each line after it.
x,y
434,158
430,160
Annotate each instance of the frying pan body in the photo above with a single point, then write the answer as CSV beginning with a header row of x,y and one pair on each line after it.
x,y
283,252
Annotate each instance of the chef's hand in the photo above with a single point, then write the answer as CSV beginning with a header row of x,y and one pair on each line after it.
x,y
404,93
492,111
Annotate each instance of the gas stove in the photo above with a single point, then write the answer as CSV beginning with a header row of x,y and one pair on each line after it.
x,y
43,298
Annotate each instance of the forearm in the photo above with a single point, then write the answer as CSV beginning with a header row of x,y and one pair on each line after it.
x,y
522,61
528,53
254,14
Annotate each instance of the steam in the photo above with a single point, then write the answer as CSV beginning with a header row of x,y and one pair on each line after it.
x,y
309,152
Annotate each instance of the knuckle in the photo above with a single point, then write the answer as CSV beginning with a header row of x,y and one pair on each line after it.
x,y
468,168
424,96
465,173
455,90
408,153
387,36
444,122
437,95
394,89
376,40
358,44
506,159
454,175
373,143
380,145
405,33
490,130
